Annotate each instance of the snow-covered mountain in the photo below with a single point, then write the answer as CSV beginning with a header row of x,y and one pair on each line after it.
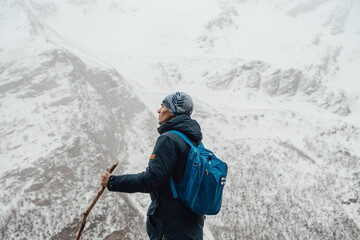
x,y
276,91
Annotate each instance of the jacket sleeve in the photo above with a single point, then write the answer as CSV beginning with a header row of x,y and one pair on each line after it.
x,y
157,173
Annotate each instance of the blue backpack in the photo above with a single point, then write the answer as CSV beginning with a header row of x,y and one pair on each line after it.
x,y
202,184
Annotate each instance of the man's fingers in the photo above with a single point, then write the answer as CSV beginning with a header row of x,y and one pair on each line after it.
x,y
105,174
104,179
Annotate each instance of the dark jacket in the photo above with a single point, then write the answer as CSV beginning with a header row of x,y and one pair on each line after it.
x,y
166,215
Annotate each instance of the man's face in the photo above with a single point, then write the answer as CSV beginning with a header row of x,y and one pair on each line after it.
x,y
164,114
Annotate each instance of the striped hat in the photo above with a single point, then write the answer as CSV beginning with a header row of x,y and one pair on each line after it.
x,y
179,103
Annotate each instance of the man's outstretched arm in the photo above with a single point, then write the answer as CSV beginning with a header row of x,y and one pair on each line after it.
x,y
158,172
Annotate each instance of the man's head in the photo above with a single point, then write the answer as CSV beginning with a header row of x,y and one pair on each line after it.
x,y
175,104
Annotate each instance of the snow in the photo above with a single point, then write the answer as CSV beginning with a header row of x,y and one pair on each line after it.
x,y
276,92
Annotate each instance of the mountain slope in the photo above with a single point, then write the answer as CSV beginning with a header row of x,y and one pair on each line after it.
x,y
80,82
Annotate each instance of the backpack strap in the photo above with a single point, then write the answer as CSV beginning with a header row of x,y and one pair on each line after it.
x,y
187,140
173,189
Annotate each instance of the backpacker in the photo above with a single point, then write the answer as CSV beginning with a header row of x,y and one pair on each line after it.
x,y
202,184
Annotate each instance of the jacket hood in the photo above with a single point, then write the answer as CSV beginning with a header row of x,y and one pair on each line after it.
x,y
185,124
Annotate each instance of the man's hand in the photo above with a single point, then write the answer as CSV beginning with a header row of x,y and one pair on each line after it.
x,y
105,179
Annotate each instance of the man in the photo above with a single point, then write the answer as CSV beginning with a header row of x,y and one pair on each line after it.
x,y
167,218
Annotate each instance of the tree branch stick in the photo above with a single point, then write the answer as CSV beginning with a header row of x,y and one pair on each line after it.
x,y
82,226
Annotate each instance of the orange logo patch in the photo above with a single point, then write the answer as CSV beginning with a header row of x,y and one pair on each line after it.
x,y
152,156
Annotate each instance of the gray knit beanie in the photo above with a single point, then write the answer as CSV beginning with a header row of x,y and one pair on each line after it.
x,y
179,103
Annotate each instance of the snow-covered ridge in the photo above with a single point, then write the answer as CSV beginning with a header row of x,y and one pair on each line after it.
x,y
74,123
275,90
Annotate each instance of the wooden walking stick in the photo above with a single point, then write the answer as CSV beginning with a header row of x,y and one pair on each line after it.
x,y
82,226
